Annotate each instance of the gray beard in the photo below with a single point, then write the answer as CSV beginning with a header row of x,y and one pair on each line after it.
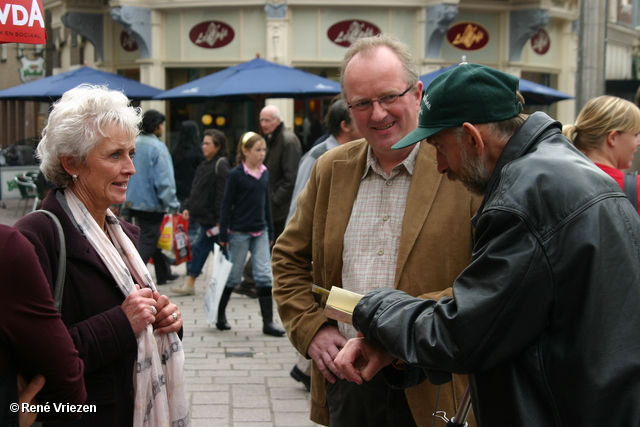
x,y
473,174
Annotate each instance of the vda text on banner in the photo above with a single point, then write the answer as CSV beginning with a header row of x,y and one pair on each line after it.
x,y
21,21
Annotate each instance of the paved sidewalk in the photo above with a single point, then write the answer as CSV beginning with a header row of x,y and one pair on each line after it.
x,y
236,378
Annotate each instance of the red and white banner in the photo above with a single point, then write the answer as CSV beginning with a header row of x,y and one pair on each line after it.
x,y
22,21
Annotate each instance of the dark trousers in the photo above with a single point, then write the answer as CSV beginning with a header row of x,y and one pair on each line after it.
x,y
201,245
372,404
149,223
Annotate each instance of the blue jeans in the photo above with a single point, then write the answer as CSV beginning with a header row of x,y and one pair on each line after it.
x,y
239,245
201,245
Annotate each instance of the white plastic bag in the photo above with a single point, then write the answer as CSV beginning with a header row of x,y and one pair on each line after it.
x,y
221,270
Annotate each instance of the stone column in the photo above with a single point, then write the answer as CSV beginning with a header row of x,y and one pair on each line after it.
x,y
278,50
566,110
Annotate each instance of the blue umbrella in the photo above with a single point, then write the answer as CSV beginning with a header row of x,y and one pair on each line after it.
x,y
255,79
426,79
51,88
533,93
537,94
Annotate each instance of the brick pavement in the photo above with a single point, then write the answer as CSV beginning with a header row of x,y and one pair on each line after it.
x,y
236,378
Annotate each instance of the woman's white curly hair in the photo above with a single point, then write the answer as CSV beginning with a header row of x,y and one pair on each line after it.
x,y
78,121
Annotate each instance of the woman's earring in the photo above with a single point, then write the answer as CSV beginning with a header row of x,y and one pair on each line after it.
x,y
74,178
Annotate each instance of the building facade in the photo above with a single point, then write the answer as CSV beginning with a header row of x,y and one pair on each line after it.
x,y
165,43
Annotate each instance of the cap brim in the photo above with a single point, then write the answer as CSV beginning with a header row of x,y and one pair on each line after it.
x,y
416,136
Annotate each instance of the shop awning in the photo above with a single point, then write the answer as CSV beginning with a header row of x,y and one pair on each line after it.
x,y
533,93
255,79
51,88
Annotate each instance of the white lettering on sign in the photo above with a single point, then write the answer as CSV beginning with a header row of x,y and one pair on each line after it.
x,y
20,16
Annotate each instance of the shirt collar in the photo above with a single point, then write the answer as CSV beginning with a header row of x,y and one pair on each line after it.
x,y
247,171
372,163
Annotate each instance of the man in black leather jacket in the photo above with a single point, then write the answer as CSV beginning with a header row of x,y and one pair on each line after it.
x,y
546,317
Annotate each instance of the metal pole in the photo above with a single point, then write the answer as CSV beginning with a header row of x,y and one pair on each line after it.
x,y
460,418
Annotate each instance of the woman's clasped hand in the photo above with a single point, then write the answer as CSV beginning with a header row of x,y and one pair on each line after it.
x,y
145,307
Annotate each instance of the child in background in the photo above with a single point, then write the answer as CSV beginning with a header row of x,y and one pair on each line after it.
x,y
246,226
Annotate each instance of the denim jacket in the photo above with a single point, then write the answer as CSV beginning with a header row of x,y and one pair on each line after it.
x,y
153,187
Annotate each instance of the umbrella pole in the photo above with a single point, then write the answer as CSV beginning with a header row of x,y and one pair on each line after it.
x,y
260,103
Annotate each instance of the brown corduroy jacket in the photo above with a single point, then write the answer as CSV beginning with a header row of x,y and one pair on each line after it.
x,y
435,246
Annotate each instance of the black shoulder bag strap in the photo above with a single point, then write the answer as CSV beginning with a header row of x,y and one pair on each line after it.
x,y
58,287
631,188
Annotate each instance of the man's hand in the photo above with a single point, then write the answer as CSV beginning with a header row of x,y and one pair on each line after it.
x,y
324,348
27,394
360,360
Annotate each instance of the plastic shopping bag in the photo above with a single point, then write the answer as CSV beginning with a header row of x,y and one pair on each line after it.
x,y
181,244
221,270
166,233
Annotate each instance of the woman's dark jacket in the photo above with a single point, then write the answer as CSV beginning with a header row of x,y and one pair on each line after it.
x,y
91,310
207,190
33,340
184,168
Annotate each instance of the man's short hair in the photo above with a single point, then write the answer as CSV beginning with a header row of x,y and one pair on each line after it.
x,y
336,114
370,45
151,120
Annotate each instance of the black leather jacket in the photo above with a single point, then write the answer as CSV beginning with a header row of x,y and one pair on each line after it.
x,y
547,315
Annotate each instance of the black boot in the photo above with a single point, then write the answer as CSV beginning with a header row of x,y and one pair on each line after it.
x,y
266,307
222,323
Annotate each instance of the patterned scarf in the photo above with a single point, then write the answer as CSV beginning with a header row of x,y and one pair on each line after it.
x,y
160,394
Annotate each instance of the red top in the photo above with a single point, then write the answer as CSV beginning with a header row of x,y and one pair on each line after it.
x,y
618,175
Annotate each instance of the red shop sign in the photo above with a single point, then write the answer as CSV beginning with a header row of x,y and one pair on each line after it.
x,y
211,34
468,36
128,42
21,21
541,42
344,33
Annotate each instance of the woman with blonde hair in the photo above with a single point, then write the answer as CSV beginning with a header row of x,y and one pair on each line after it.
x,y
607,131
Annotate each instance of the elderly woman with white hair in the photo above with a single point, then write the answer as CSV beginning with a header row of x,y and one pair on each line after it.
x,y
125,331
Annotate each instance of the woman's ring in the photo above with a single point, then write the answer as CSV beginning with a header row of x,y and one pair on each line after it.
x,y
153,310
175,317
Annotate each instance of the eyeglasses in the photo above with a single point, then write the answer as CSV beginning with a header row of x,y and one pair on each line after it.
x,y
383,101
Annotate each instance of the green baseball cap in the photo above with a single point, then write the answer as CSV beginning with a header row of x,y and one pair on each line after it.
x,y
471,93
